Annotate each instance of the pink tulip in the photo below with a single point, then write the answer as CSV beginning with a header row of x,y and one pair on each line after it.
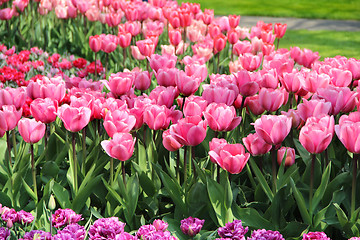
x,y
124,39
174,36
189,131
157,117
133,27
44,110
187,85
256,145
197,70
294,115
273,129
234,20
289,157
208,16
113,19
219,43
31,130
12,96
313,108
74,119
143,80
280,29
348,131
121,146
272,99
232,158
135,52
340,78
246,85
9,117
342,99
108,42
166,77
118,121
53,88
317,133
146,47
194,106
250,62
120,83
218,94
267,49
305,57
216,145
163,62
6,13
269,79
170,142
241,47
253,105
293,81
221,117
313,81
186,17
164,95
353,65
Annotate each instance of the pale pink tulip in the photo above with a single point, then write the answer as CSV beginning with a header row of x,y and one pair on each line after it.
x,y
221,118
44,110
118,121
256,145
31,130
74,119
121,146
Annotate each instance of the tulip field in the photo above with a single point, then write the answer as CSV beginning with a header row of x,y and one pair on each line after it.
x,y
157,120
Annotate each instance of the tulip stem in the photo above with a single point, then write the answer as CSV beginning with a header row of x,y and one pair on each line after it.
x,y
123,172
353,189
124,57
33,171
311,181
95,73
111,171
178,165
84,153
277,44
193,160
74,162
218,63
14,142
8,147
185,165
273,157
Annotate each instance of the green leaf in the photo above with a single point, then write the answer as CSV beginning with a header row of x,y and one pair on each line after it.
x,y
62,195
146,184
343,220
321,189
113,192
320,216
305,155
301,203
82,196
251,217
132,197
285,178
29,190
261,180
5,199
218,200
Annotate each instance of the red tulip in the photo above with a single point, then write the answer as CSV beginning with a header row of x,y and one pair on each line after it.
x,y
31,130
121,146
74,119
273,129
219,43
317,133
279,30
44,110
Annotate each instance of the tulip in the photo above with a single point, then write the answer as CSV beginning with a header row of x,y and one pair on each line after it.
x,y
9,117
174,37
313,81
157,117
219,43
118,121
74,119
187,85
146,47
279,30
143,80
121,146
124,39
53,88
44,110
12,96
289,157
170,142
253,105
250,62
313,108
108,43
164,95
273,129
232,158
31,130
256,145
194,106
166,77
162,62
216,145
135,52
191,226
218,94
234,20
241,47
271,100
197,70
189,131
246,85
120,83
221,117
305,58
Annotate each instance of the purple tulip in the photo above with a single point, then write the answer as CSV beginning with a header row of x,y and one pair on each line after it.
x,y
191,226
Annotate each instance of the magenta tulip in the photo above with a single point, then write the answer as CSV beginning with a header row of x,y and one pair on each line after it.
x,y
166,77
121,146
74,119
31,130
143,80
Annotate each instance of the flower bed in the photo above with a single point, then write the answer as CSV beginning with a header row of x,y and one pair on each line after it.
x,y
196,116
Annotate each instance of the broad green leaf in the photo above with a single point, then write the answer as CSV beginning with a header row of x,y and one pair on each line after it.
x,y
62,195
261,180
145,182
284,179
321,189
301,203
320,216
217,198
83,194
5,199
251,217
343,220
305,155
113,192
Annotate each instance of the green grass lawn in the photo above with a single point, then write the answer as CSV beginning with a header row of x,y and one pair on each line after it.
x,y
327,43
327,9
